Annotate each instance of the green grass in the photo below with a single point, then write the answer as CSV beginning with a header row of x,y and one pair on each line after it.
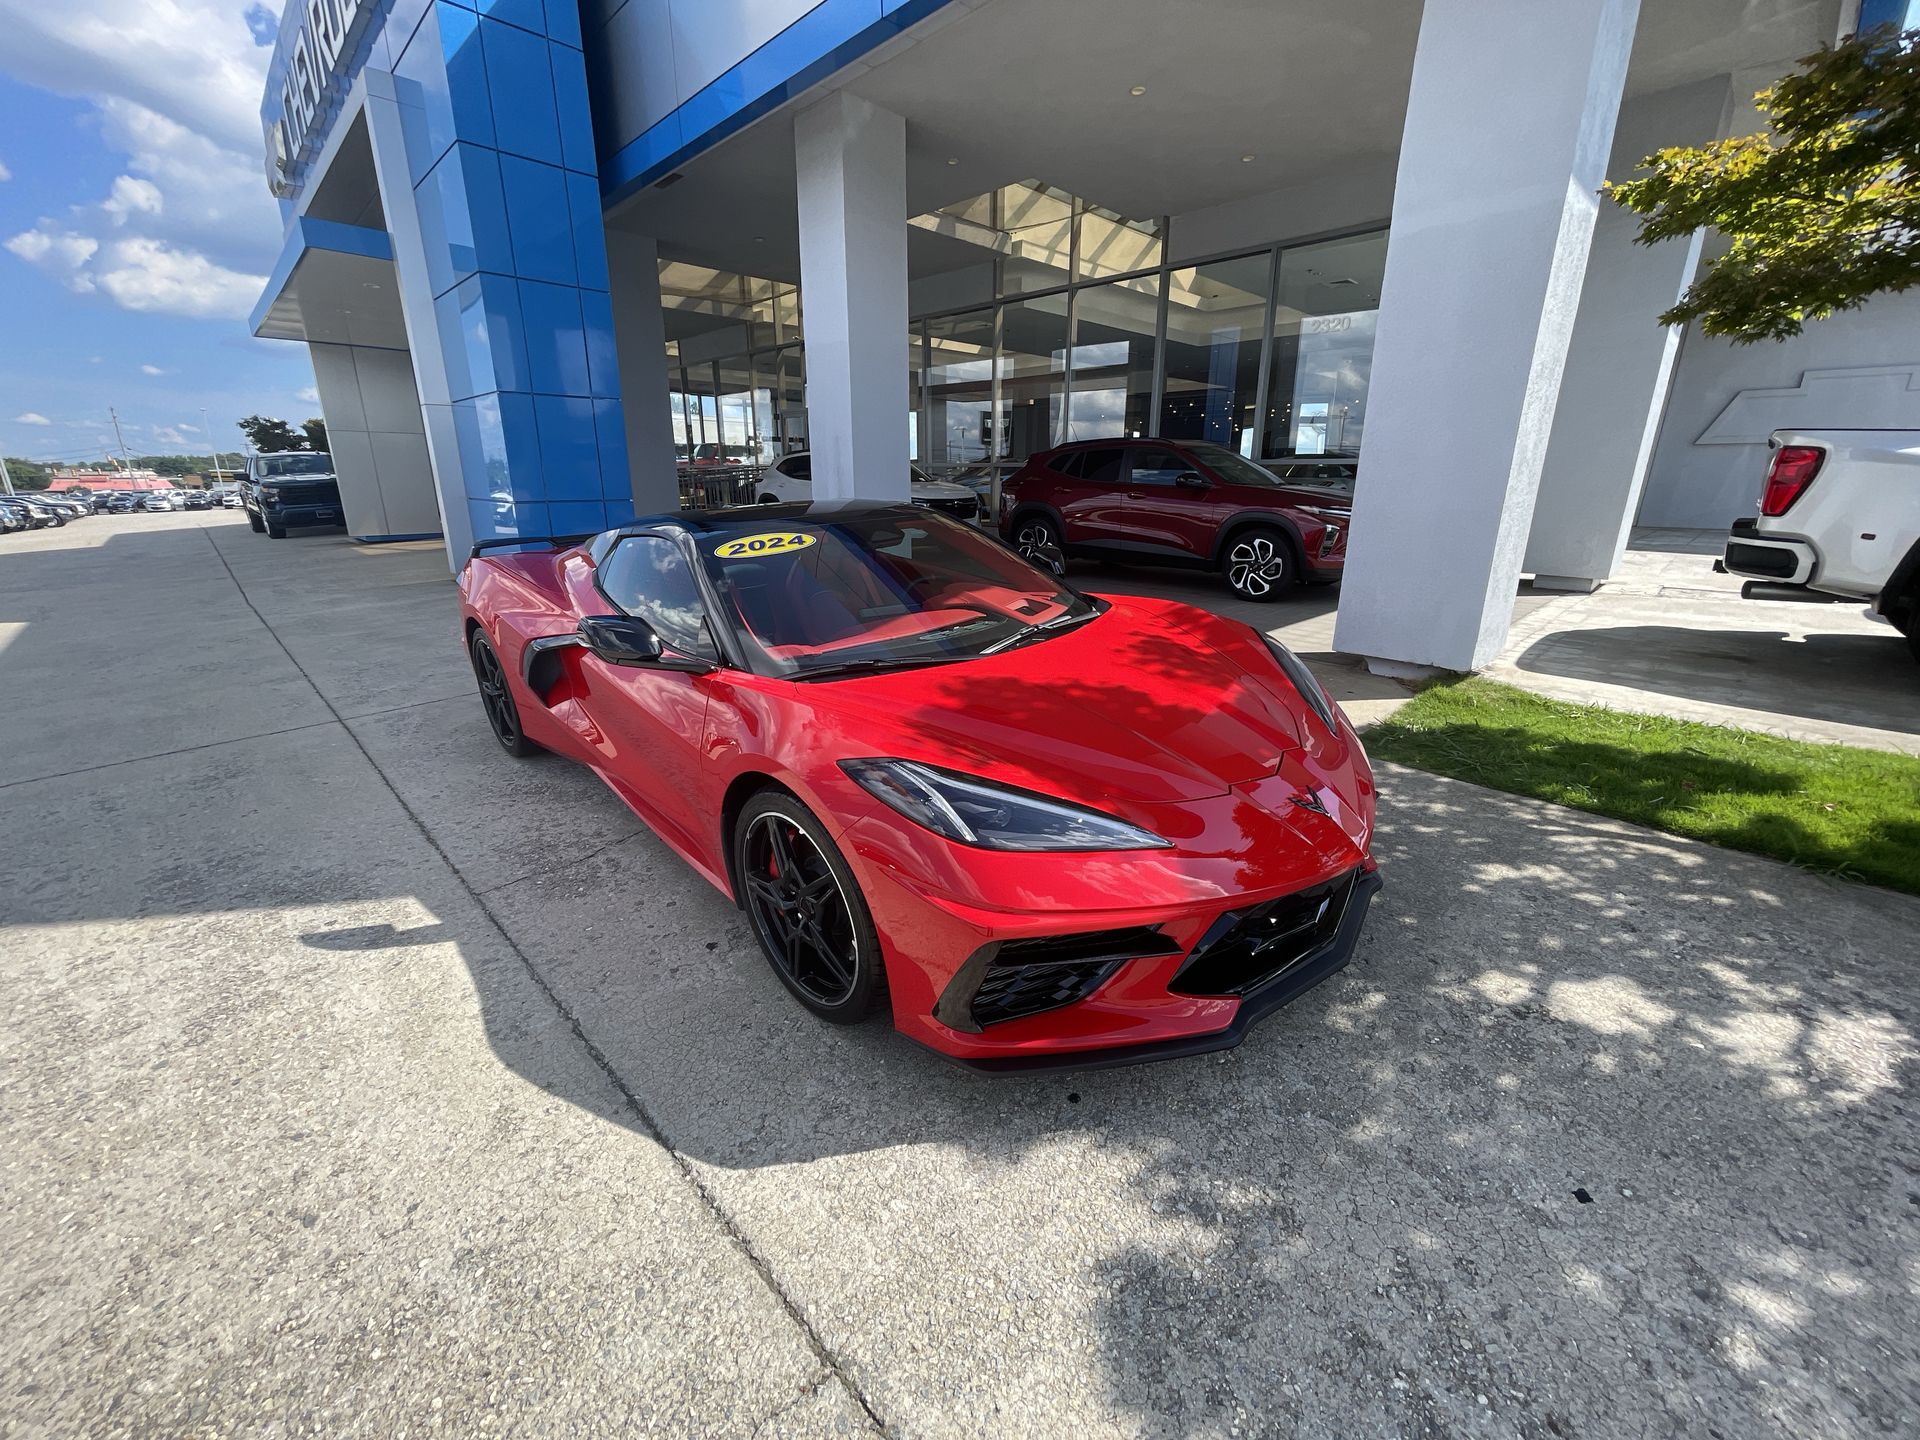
x,y
1832,809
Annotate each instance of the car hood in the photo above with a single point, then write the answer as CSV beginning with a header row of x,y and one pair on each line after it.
x,y
1125,708
941,490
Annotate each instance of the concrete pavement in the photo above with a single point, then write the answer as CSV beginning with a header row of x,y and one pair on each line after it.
x,y
360,1079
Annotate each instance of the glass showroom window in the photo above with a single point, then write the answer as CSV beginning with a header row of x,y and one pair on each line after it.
x,y
959,389
1038,225
1323,323
1216,331
1109,244
1113,353
1033,377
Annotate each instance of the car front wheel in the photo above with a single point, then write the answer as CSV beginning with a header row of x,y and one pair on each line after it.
x,y
807,911
1258,564
259,525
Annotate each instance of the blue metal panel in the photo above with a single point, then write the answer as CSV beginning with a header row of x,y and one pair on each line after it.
x,y
563,21
556,341
610,424
527,14
603,363
463,217
520,77
539,219
589,233
569,447
574,110
441,83
577,517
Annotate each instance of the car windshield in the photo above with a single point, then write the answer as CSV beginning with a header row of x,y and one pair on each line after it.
x,y
275,466
1231,466
880,590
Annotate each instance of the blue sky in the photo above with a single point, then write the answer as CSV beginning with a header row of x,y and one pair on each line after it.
x,y
135,227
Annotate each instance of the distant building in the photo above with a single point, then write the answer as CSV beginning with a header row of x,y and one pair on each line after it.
x,y
108,480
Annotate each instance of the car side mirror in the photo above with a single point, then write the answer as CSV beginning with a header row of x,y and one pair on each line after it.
x,y
627,640
1192,480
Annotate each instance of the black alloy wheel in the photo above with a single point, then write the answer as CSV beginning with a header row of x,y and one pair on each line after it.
x,y
1259,564
502,715
807,911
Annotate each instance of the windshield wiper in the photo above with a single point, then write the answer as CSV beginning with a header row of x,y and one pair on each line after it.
x,y
1036,632
874,667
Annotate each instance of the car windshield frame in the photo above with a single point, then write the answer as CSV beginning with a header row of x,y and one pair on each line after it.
x,y
889,635
269,465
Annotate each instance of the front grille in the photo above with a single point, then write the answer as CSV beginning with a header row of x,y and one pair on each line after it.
x,y
318,492
960,509
1027,977
1245,949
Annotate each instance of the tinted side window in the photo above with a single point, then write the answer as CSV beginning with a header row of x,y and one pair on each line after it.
x,y
1067,462
1159,467
1102,467
648,577
797,467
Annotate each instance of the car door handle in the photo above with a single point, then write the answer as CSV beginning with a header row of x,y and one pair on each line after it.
x,y
1136,495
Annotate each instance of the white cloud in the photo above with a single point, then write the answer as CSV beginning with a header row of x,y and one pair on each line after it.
x,y
177,87
171,434
30,418
153,370
130,196
311,395
148,275
5,173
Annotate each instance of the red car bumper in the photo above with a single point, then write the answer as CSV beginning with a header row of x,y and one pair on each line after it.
x,y
1031,961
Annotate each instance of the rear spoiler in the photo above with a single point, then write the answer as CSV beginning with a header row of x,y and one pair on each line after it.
x,y
556,542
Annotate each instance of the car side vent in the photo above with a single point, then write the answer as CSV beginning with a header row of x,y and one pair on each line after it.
x,y
1246,949
1018,978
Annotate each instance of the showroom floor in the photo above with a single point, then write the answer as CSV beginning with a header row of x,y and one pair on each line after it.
x,y
360,1079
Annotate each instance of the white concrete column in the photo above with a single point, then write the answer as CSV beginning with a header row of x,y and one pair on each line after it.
x,y
1620,363
851,160
1510,119
640,338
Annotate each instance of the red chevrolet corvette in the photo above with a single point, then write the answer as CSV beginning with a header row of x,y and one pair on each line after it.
x,y
1047,829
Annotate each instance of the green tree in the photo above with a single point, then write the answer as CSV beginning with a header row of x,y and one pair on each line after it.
x,y
1821,214
27,474
316,433
270,436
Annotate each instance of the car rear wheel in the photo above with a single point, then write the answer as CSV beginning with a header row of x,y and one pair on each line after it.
x,y
1258,564
807,911
503,716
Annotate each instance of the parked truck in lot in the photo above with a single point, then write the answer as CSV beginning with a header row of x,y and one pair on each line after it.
x,y
1839,520
291,488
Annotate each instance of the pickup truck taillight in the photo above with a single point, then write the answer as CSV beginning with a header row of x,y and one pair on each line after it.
x,y
1793,469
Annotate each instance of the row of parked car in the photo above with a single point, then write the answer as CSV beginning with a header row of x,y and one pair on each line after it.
x,y
46,509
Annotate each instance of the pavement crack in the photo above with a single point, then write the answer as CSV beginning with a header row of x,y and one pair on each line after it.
x,y
830,1361
566,862
166,754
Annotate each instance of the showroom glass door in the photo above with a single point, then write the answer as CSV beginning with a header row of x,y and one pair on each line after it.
x,y
1216,333
1323,327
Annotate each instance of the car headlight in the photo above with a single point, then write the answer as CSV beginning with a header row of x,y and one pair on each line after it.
x,y
1311,690
977,812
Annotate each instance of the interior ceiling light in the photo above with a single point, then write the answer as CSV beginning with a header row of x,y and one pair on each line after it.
x,y
1246,159
1138,90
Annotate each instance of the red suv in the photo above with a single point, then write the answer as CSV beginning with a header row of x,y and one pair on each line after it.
x,y
1184,503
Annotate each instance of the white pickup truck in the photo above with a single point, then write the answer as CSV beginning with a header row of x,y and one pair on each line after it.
x,y
1839,520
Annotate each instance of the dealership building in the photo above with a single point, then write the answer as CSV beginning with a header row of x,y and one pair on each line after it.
x,y
541,250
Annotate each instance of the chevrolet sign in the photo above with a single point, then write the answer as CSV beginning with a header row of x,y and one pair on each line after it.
x,y
316,62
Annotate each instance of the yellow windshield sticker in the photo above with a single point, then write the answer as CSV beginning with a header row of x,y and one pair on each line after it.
x,y
774,542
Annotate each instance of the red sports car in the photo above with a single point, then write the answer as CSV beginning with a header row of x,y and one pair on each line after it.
x,y
1049,830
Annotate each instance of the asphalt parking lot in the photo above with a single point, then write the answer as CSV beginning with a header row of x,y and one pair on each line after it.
x,y
361,1080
